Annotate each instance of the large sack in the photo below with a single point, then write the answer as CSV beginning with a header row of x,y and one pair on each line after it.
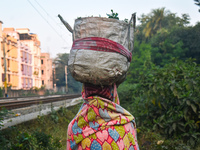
x,y
100,67
97,67
113,29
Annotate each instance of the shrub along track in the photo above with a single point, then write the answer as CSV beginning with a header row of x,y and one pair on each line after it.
x,y
12,103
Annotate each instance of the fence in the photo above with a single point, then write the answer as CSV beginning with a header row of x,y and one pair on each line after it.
x,y
33,92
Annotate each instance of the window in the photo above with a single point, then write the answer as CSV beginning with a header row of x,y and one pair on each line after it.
x,y
2,61
8,63
22,68
3,77
42,71
41,61
8,77
42,82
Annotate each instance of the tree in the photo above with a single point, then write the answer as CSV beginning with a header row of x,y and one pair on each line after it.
x,y
61,61
153,22
190,38
141,61
197,3
158,29
161,18
165,46
166,99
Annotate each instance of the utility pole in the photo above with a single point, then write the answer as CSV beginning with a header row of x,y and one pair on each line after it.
x,y
5,66
66,78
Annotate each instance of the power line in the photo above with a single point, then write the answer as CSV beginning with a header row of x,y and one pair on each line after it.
x,y
45,11
49,16
46,21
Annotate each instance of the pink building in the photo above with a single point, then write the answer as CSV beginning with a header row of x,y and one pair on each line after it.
x,y
26,67
24,61
46,71
32,57
1,53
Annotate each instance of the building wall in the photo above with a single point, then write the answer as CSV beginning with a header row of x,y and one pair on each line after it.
x,y
26,67
12,63
12,58
46,71
33,42
14,51
1,54
23,59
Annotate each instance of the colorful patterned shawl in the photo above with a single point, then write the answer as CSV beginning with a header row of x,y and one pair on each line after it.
x,y
101,123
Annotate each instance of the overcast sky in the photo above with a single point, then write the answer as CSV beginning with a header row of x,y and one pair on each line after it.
x,y
40,16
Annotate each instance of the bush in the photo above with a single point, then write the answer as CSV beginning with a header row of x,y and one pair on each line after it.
x,y
1,92
167,100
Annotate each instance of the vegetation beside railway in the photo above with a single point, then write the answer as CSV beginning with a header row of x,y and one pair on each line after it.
x,y
44,133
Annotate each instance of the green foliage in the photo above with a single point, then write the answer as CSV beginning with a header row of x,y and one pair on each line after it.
x,y
197,2
3,113
4,141
167,100
169,36
61,61
54,115
160,91
43,87
43,133
151,140
1,92
141,61
43,141
24,142
113,15
38,140
153,22
158,19
165,47
73,85
190,38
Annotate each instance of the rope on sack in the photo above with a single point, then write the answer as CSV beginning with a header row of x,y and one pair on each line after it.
x,y
101,44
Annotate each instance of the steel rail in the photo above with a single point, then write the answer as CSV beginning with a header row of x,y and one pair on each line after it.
x,y
11,104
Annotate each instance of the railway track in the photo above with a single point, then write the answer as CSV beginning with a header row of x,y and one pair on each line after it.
x,y
12,103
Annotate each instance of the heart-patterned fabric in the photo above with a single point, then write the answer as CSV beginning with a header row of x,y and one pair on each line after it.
x,y
102,124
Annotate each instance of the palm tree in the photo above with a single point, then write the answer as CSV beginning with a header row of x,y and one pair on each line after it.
x,y
153,22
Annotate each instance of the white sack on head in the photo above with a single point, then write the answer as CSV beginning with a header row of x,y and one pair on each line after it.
x,y
99,67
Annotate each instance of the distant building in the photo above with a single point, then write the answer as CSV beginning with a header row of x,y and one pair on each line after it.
x,y
10,45
32,41
23,60
46,71
1,53
26,66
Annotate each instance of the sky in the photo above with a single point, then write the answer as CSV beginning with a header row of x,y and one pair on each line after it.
x,y
40,16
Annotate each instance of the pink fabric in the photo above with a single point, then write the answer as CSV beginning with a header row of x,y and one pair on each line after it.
x,y
101,44
105,91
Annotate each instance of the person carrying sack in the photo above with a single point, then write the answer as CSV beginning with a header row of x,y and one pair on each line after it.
x,y
99,58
